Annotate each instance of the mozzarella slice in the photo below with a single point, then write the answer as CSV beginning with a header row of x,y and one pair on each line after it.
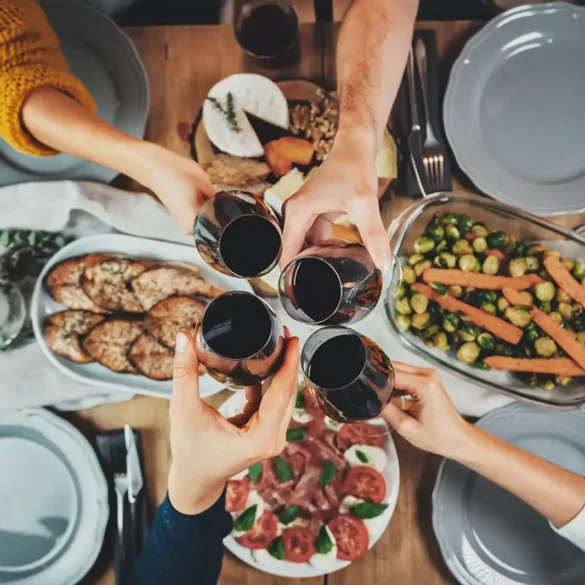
x,y
332,424
372,524
301,416
254,499
263,557
240,475
322,561
347,503
376,457
253,93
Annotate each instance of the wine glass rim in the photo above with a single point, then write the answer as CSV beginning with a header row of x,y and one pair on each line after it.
x,y
268,308
281,288
348,331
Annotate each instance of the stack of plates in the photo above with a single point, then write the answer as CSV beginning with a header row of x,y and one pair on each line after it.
x,y
53,501
488,536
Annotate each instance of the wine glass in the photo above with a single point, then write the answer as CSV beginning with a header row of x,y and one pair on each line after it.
x,y
332,283
239,339
12,312
349,376
238,234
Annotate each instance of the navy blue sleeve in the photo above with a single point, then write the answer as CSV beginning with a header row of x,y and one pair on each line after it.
x,y
183,550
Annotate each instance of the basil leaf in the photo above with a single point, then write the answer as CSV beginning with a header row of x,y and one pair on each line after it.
x,y
323,543
289,514
299,402
284,471
255,472
328,474
276,549
246,519
297,434
367,510
362,456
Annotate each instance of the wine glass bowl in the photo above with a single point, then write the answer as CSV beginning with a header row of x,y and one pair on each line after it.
x,y
12,312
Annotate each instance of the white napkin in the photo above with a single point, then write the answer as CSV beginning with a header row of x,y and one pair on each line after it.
x,y
27,378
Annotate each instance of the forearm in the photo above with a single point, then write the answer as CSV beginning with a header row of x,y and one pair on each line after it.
x,y
556,493
373,47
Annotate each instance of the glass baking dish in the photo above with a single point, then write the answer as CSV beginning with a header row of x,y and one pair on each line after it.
x,y
411,223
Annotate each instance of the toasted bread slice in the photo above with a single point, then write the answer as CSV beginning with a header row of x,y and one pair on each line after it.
x,y
73,297
108,284
150,358
157,284
172,315
235,170
63,332
109,342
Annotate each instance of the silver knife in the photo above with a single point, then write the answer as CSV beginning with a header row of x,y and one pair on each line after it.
x,y
415,144
135,485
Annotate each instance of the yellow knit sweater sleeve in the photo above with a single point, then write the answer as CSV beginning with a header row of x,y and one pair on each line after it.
x,y
30,57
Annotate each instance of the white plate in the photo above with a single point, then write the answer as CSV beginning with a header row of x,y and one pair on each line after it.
x,y
391,474
43,305
54,500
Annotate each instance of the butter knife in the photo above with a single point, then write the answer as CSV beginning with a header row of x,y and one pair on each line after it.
x,y
415,143
135,485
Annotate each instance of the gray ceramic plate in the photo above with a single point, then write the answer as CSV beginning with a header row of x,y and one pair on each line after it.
x,y
53,500
488,536
105,60
513,109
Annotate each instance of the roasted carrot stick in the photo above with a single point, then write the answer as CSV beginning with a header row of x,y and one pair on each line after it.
x,y
452,276
498,327
564,338
515,297
556,366
564,279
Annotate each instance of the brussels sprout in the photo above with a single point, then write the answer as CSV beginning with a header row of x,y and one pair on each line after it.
x,y
547,385
419,303
552,253
485,340
565,310
480,245
523,350
442,289
451,322
482,366
510,247
578,271
415,259
468,352
468,331
469,263
465,224
569,264
400,291
545,291
423,245
581,337
486,296
452,233
520,249
445,260
503,304
544,306
450,219
562,296
536,249
563,380
518,316
441,341
420,321
555,316
531,333
528,379
435,231
545,346
456,291
479,230
526,296
403,306
422,266
517,267
491,265
442,246
489,308
532,263
408,274
428,332
462,247
497,240
403,322
545,275
504,349
577,310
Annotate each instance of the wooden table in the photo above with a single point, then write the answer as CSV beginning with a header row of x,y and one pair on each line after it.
x,y
183,63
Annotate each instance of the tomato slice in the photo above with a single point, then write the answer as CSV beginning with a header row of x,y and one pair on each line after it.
x,y
365,483
236,494
298,543
261,534
351,536
359,434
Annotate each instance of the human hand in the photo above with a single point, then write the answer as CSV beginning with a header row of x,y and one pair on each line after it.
x,y
346,182
430,421
208,449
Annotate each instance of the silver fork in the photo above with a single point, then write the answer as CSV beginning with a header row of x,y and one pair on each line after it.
x,y
121,488
433,152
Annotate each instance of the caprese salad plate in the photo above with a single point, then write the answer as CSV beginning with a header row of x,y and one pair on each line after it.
x,y
321,504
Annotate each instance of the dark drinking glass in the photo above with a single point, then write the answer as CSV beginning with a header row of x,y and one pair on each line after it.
x,y
332,283
239,339
238,234
349,376
268,31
